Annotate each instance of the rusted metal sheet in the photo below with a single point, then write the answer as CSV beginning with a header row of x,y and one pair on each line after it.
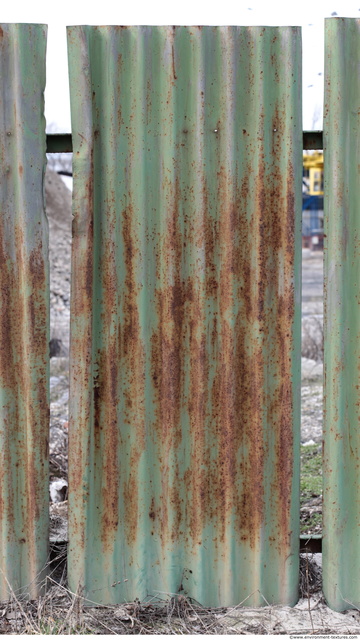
x,y
24,313
341,532
185,334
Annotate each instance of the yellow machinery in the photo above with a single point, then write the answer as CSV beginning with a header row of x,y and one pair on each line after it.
x,y
314,170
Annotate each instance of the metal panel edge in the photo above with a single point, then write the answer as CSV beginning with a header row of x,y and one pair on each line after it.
x,y
341,471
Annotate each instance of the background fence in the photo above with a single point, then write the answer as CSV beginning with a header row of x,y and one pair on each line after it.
x,y
185,318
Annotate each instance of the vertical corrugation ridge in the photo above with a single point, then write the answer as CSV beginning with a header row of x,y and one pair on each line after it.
x,y
250,506
202,219
133,349
81,480
166,340
197,439
341,514
24,311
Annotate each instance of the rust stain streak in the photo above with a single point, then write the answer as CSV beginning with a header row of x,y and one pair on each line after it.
x,y
173,62
167,362
81,345
132,363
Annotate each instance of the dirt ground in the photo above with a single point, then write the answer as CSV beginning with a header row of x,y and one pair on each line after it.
x,y
60,612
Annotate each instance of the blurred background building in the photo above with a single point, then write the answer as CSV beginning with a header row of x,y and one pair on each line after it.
x,y
313,201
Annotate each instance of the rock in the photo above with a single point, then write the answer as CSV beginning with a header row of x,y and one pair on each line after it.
x,y
58,521
58,200
310,369
311,411
57,348
58,490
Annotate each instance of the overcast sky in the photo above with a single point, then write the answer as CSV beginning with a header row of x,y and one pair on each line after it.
x,y
309,14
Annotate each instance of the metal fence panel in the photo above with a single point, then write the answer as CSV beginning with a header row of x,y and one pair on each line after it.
x,y
24,313
341,532
185,334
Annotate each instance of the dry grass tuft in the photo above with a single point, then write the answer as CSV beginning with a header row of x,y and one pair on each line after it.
x,y
310,576
60,612
312,342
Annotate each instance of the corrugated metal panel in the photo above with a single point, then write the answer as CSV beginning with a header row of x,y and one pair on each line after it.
x,y
185,336
24,314
341,533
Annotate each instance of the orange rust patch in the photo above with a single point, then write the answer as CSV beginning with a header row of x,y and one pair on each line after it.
x,y
106,393
106,441
23,377
201,488
152,514
132,363
81,345
236,394
233,480
212,371
168,363
173,62
83,242
276,208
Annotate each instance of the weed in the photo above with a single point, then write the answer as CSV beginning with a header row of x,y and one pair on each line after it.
x,y
312,344
311,490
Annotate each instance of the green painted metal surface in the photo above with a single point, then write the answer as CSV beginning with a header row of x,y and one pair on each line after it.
x,y
341,530
24,313
185,318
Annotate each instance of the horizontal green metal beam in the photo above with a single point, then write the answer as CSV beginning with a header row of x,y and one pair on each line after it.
x,y
58,143
62,142
311,544
312,140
